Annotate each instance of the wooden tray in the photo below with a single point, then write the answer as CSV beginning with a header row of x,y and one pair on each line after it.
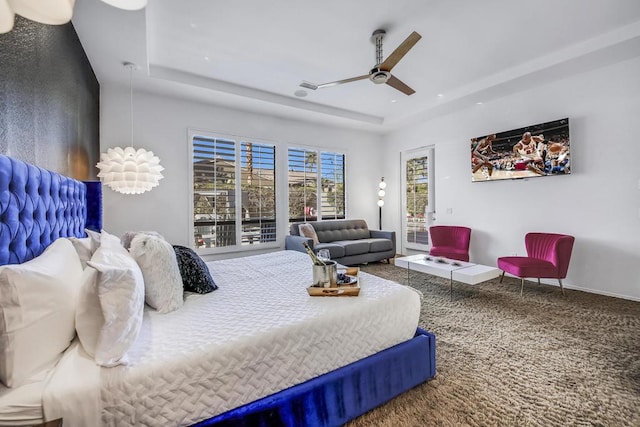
x,y
351,290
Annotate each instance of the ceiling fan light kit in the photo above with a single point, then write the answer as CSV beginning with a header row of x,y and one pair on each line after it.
x,y
379,76
381,72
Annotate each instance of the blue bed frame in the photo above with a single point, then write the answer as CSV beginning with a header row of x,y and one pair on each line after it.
x,y
38,206
341,395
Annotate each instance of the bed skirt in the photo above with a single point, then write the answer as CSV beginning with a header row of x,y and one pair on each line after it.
x,y
338,396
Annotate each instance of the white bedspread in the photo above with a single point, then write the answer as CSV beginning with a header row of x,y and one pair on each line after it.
x,y
257,334
22,406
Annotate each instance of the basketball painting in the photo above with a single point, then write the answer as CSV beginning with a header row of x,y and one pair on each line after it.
x,y
528,152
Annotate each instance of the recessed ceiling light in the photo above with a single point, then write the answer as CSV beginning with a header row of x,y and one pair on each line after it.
x,y
478,103
192,25
206,58
300,93
440,95
394,100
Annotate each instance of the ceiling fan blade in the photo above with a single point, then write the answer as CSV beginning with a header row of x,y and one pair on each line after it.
x,y
400,51
314,86
398,84
339,82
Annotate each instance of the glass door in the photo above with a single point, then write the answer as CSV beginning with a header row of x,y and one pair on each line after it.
x,y
418,197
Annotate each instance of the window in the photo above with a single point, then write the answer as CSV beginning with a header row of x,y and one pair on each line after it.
x,y
258,193
234,194
303,185
418,200
332,184
315,179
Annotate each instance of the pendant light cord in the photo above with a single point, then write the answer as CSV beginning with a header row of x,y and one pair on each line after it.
x,y
131,98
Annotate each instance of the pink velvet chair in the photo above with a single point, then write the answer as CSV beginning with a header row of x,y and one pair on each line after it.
x,y
548,256
450,241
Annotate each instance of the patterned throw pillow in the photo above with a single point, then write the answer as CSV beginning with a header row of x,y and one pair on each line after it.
x,y
307,230
195,273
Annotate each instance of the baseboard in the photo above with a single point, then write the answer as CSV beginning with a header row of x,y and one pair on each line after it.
x,y
554,282
597,292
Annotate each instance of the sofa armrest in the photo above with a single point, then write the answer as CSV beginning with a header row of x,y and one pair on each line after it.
x,y
381,234
295,243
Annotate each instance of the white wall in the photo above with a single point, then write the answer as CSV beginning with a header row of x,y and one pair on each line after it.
x,y
599,203
161,125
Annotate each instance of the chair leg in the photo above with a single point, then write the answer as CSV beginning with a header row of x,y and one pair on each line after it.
x,y
502,276
561,288
521,285
538,281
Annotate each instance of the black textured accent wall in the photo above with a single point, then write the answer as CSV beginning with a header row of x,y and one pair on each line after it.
x,y
49,99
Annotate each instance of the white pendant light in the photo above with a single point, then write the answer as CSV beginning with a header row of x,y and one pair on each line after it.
x,y
52,12
6,17
127,4
127,170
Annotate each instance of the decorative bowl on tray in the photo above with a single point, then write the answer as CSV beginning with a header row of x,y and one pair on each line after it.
x,y
346,279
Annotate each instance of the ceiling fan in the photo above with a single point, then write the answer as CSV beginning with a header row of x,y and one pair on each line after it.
x,y
381,72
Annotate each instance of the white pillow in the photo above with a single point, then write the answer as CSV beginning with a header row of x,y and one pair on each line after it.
x,y
128,236
89,318
120,291
84,248
37,311
163,288
95,239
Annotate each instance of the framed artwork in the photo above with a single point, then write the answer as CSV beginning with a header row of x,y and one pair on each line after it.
x,y
529,152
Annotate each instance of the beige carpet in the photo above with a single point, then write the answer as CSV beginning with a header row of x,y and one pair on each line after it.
x,y
502,360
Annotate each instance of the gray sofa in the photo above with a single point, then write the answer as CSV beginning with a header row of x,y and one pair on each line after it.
x,y
349,241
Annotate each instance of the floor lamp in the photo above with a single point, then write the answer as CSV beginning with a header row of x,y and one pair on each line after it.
x,y
381,193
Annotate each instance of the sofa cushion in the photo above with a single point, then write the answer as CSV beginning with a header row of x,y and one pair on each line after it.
x,y
380,245
354,247
335,251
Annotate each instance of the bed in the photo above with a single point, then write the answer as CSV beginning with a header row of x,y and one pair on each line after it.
x,y
254,352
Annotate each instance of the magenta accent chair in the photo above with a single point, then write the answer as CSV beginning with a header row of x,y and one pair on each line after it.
x,y
548,256
450,241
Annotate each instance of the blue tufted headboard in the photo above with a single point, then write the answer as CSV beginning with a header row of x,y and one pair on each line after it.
x,y
38,206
